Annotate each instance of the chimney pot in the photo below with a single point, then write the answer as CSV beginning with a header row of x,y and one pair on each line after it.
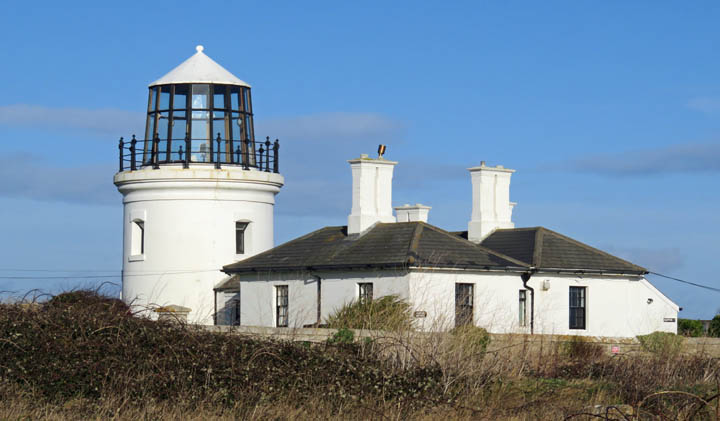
x,y
414,213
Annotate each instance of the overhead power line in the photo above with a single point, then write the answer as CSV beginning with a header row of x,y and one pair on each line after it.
x,y
687,282
108,276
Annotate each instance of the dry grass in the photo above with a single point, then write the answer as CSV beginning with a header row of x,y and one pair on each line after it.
x,y
84,356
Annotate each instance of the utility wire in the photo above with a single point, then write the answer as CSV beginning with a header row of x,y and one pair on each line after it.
x,y
687,282
108,276
213,270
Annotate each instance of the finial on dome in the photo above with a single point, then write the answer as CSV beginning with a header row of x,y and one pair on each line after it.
x,y
199,48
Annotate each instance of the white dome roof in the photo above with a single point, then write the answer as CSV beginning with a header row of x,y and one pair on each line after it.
x,y
199,68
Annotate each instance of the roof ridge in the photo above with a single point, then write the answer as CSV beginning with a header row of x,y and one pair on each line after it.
x,y
483,248
295,240
517,229
412,253
538,247
591,248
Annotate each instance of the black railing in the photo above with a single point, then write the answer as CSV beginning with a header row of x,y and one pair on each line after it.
x,y
262,156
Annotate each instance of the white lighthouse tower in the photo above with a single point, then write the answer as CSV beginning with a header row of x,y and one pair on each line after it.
x,y
198,191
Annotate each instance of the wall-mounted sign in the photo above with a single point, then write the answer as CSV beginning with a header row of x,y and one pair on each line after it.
x,y
669,319
420,314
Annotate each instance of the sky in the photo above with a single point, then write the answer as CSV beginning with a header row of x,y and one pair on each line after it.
x,y
609,112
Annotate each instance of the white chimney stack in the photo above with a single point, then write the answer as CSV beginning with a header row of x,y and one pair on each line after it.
x,y
491,205
414,213
371,193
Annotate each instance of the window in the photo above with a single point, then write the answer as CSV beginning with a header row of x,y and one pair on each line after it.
x,y
577,308
463,304
522,305
231,311
366,292
137,238
281,306
240,228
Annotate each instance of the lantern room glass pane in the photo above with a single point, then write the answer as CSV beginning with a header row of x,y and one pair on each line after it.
x,y
180,100
219,97
164,98
200,123
200,95
179,125
162,125
235,99
248,107
236,126
219,125
151,101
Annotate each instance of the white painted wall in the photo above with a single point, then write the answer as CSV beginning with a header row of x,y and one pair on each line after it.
x,y
189,218
257,291
615,307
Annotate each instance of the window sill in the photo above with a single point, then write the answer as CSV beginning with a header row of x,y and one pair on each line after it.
x,y
136,258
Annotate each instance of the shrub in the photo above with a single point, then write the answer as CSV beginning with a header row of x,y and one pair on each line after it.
x,y
714,329
662,344
82,345
343,336
475,339
388,313
690,327
581,348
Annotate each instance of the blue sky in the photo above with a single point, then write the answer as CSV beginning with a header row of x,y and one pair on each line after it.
x,y
609,112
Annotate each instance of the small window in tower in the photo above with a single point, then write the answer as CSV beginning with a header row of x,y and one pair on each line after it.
x,y
240,228
137,240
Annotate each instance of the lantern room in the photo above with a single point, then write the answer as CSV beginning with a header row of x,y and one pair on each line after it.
x,y
200,113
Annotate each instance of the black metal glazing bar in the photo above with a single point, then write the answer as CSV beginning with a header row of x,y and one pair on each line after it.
x,y
188,150
276,148
217,161
133,165
122,149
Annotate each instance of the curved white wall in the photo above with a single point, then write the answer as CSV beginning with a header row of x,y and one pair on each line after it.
x,y
189,228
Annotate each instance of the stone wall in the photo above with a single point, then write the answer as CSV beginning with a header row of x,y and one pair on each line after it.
x,y
546,343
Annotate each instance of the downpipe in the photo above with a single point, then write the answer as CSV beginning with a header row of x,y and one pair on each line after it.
x,y
525,278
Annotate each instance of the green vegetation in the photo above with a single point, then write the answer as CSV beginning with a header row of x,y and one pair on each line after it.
x,y
84,356
473,338
388,313
662,344
342,336
691,328
714,329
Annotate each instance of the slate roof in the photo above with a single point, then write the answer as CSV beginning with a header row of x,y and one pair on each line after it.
x,y
548,250
385,245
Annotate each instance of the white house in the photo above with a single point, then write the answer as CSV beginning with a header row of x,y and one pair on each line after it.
x,y
506,279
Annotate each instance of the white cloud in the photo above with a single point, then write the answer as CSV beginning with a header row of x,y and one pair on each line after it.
x,y
662,260
33,178
684,158
705,105
107,121
331,126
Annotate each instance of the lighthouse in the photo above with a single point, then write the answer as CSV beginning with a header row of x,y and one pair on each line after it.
x,y
198,190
